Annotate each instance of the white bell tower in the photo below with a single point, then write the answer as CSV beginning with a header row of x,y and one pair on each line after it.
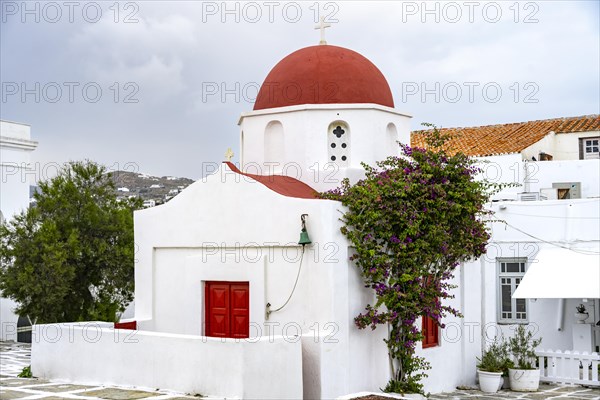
x,y
321,111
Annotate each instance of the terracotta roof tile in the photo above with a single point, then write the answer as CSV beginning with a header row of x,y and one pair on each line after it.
x,y
509,138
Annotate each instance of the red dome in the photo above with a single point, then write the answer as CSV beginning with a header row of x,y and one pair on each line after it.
x,y
323,74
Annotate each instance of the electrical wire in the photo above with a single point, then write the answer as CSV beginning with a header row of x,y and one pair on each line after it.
x,y
548,216
580,251
293,289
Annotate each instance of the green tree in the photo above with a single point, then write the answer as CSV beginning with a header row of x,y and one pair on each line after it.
x,y
70,255
411,221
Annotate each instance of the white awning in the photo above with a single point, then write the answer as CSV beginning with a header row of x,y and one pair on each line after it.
x,y
558,273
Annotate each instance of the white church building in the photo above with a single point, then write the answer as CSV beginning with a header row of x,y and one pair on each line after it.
x,y
227,303
16,173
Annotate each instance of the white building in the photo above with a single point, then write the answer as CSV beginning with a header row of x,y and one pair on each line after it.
x,y
229,304
15,156
552,217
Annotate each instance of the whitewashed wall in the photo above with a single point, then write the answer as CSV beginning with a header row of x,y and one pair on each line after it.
x,y
15,177
231,228
305,146
266,368
453,361
510,168
562,146
567,223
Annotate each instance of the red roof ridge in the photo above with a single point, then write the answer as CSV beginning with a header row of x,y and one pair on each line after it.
x,y
282,184
588,116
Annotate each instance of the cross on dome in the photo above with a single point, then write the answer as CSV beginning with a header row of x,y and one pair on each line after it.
x,y
229,154
322,25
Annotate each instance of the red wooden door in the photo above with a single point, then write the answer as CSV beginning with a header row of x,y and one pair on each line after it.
x,y
240,310
227,311
430,333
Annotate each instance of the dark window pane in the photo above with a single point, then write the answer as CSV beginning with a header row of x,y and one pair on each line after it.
x,y
521,305
506,300
512,267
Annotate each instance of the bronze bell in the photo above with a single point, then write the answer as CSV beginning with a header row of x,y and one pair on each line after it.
x,y
304,239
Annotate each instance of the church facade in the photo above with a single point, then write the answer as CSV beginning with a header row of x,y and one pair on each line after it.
x,y
243,283
240,271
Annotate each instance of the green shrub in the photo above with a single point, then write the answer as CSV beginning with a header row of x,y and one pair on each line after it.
x,y
26,373
495,358
522,346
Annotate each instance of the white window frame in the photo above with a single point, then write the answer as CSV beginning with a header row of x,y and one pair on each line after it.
x,y
590,155
512,277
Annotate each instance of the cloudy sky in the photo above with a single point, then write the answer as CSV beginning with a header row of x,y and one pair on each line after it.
x,y
158,86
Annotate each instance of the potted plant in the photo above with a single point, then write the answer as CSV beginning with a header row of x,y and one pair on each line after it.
x,y
524,377
490,366
581,315
507,366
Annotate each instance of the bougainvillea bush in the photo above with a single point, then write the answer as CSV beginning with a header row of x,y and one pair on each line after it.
x,y
411,221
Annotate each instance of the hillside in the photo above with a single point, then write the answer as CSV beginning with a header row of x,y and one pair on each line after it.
x,y
147,187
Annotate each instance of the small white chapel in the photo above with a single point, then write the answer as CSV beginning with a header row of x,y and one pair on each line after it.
x,y
243,283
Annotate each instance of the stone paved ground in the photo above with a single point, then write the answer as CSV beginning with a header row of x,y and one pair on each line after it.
x,y
545,392
15,356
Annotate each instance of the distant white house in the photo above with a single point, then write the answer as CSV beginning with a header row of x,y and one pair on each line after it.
x,y
16,176
149,203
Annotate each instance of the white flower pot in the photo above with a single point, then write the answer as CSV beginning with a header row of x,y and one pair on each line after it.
x,y
489,382
524,380
581,317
